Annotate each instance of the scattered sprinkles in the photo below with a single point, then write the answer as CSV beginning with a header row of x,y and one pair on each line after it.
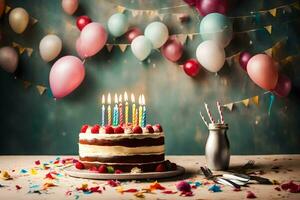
x,y
215,188
250,195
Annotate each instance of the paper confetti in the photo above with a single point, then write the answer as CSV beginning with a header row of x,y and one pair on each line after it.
x,y
5,175
48,185
291,187
23,171
156,186
139,195
113,183
215,188
250,195
169,192
33,171
49,176
37,162
18,187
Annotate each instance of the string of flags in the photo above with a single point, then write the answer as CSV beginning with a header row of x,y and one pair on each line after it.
x,y
246,102
32,19
41,89
21,49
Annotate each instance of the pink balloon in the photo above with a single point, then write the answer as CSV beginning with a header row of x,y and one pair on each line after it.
x,y
93,38
69,6
284,86
66,75
263,72
133,33
172,49
244,58
78,48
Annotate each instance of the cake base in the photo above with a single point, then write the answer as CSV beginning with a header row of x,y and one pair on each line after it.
x,y
87,174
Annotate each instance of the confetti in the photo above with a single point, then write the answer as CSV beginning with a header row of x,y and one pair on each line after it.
x,y
48,185
183,186
277,188
169,192
156,186
113,183
23,171
139,195
49,176
18,187
291,187
5,175
237,189
215,188
250,195
187,194
37,162
121,190
33,172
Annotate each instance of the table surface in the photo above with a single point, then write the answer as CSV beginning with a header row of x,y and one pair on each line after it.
x,y
282,168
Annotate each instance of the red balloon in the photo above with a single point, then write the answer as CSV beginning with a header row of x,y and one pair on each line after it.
x,y
133,33
263,71
82,21
283,87
191,67
172,49
204,7
244,58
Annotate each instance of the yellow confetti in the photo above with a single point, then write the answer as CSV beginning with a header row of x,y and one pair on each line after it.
x,y
5,175
48,185
139,195
33,172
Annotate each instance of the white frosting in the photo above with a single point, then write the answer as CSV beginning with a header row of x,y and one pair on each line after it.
x,y
90,136
96,162
86,150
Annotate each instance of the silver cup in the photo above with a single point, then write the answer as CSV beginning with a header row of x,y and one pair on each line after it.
x,y
217,150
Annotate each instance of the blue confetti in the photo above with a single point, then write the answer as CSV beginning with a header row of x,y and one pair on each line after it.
x,y
197,183
87,192
215,188
34,186
57,158
76,196
23,171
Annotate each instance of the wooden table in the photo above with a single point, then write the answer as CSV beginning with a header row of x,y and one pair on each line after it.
x,y
282,168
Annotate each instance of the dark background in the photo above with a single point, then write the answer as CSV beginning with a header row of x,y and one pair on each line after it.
x,y
34,124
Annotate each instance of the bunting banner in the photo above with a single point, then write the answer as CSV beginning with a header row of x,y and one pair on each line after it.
x,y
246,102
21,49
41,89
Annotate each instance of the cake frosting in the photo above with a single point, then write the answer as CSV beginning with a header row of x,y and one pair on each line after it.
x,y
123,148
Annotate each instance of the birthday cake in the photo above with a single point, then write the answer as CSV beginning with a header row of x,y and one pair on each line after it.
x,y
123,147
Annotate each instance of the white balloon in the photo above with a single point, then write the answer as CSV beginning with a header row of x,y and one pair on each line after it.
x,y
157,33
50,47
210,55
141,47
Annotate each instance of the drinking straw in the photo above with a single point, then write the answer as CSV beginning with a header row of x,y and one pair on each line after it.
x,y
220,112
202,117
209,113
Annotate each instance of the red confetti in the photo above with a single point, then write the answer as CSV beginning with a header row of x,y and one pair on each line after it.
x,y
291,187
277,188
18,187
95,189
49,176
130,190
56,162
156,186
113,183
37,162
250,195
169,192
187,194
237,189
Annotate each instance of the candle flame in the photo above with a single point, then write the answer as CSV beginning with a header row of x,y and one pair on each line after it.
x,y
116,98
125,96
120,98
132,98
140,99
103,99
143,100
108,98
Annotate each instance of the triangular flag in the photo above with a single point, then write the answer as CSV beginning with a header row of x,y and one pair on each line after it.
x,y
29,51
161,16
269,28
182,38
269,51
14,44
229,106
21,50
246,102
26,84
109,47
134,13
190,36
120,9
273,12
41,89
123,47
255,100
33,20
296,5
7,9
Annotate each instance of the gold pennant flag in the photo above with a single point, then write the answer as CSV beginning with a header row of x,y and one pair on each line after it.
x,y
14,44
246,102
190,36
182,38
21,50
120,9
29,51
33,20
161,16
269,51
273,12
255,100
229,106
269,28
296,5
109,47
134,13
7,9
41,89
26,84
123,47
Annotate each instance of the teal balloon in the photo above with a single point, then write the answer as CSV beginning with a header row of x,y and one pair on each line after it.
x,y
117,24
141,47
216,27
157,33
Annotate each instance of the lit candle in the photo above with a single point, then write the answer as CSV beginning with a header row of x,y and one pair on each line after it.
x,y
134,115
108,109
140,110
126,108
103,111
120,110
144,111
115,121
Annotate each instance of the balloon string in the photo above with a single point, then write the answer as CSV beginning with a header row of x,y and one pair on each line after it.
x,y
83,61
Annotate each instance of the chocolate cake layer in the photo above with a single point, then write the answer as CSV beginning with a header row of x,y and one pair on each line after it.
x,y
145,167
126,142
125,159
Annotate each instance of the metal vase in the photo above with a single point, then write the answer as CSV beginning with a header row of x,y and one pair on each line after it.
x,y
217,150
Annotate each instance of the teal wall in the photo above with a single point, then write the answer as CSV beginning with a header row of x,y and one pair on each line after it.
x,y
34,124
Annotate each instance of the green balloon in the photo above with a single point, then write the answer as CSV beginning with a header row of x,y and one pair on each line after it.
x,y
117,24
216,27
